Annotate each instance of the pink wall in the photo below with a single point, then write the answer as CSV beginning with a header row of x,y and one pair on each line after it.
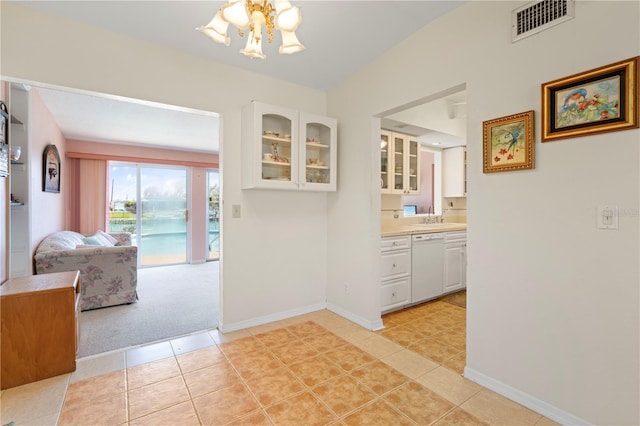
x,y
424,200
47,209
134,153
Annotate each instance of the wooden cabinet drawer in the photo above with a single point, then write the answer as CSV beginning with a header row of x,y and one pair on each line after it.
x,y
395,243
395,293
395,264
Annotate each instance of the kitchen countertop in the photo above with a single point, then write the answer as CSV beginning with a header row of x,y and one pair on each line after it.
x,y
421,228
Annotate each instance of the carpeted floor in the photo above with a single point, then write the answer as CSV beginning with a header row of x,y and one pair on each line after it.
x,y
173,301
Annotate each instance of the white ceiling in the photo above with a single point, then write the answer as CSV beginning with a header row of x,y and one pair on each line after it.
x,y
371,28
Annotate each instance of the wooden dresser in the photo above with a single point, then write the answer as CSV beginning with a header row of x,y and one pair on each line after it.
x,y
40,323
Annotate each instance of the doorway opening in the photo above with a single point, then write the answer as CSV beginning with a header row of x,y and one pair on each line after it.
x,y
100,128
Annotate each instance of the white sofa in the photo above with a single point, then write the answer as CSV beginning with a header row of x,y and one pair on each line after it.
x,y
108,274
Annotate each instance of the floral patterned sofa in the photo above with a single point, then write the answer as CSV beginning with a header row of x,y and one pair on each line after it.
x,y
108,272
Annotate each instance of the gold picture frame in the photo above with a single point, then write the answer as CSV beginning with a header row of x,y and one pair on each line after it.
x,y
604,99
508,143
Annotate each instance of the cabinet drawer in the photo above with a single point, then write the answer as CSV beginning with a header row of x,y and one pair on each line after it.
x,y
395,243
395,264
395,293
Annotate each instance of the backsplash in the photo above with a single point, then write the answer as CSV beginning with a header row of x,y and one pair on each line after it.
x,y
453,210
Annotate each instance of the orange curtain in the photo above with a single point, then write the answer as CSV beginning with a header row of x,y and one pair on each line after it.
x,y
88,194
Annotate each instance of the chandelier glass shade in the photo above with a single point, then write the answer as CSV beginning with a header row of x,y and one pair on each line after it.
x,y
255,15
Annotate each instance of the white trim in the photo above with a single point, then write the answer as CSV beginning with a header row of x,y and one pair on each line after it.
x,y
278,316
369,325
198,262
535,404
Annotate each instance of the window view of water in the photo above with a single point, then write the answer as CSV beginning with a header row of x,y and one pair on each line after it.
x,y
161,233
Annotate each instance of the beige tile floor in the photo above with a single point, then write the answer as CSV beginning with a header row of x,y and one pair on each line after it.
x,y
315,369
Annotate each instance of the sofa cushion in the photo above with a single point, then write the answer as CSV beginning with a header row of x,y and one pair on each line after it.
x,y
62,240
97,239
108,237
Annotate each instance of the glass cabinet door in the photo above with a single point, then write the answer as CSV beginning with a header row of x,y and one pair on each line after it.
x,y
398,162
413,184
385,139
318,152
276,148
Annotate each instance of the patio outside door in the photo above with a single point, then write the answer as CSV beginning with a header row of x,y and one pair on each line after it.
x,y
151,202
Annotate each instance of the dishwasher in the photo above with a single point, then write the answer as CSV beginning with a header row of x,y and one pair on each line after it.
x,y
427,266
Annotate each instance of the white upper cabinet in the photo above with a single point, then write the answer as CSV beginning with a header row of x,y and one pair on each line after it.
x,y
286,149
400,164
454,167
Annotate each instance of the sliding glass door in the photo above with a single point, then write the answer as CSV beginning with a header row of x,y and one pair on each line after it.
x,y
213,212
151,202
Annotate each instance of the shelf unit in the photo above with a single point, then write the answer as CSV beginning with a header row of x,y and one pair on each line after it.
x,y
287,149
399,164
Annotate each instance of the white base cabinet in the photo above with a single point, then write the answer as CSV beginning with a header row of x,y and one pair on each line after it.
x,y
395,272
286,149
455,262
447,267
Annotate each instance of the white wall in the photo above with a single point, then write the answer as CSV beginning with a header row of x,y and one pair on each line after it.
x,y
553,302
275,254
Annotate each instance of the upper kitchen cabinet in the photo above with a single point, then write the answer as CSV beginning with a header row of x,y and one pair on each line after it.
x,y
286,149
454,167
399,164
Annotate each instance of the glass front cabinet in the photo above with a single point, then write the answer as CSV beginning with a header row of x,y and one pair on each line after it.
x,y
399,163
286,149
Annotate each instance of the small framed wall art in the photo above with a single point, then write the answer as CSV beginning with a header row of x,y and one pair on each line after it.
x,y
51,169
601,100
508,143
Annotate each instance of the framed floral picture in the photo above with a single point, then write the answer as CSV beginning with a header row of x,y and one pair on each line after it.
x,y
601,100
51,169
508,143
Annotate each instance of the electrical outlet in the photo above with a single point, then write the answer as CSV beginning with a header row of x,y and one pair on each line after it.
x,y
346,288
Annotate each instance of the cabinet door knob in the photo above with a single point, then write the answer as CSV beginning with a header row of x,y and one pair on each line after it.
x,y
394,265
393,294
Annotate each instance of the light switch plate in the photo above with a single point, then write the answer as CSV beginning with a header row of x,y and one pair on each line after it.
x,y
235,211
607,217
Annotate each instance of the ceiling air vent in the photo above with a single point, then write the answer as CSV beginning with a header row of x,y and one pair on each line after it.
x,y
538,16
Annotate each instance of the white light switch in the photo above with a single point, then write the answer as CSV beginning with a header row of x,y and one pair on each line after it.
x,y
608,217
235,211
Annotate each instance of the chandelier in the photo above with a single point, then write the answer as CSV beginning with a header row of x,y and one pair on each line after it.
x,y
255,14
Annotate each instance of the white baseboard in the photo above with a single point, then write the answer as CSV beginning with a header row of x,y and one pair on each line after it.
x,y
369,325
278,316
531,402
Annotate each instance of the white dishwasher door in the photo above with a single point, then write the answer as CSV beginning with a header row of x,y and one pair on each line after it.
x,y
427,266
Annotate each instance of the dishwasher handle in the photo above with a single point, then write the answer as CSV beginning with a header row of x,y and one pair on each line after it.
x,y
427,237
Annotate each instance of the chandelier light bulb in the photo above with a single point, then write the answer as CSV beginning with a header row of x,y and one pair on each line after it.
x,y
216,30
253,49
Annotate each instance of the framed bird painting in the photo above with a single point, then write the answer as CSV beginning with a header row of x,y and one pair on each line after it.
x,y
601,100
508,143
